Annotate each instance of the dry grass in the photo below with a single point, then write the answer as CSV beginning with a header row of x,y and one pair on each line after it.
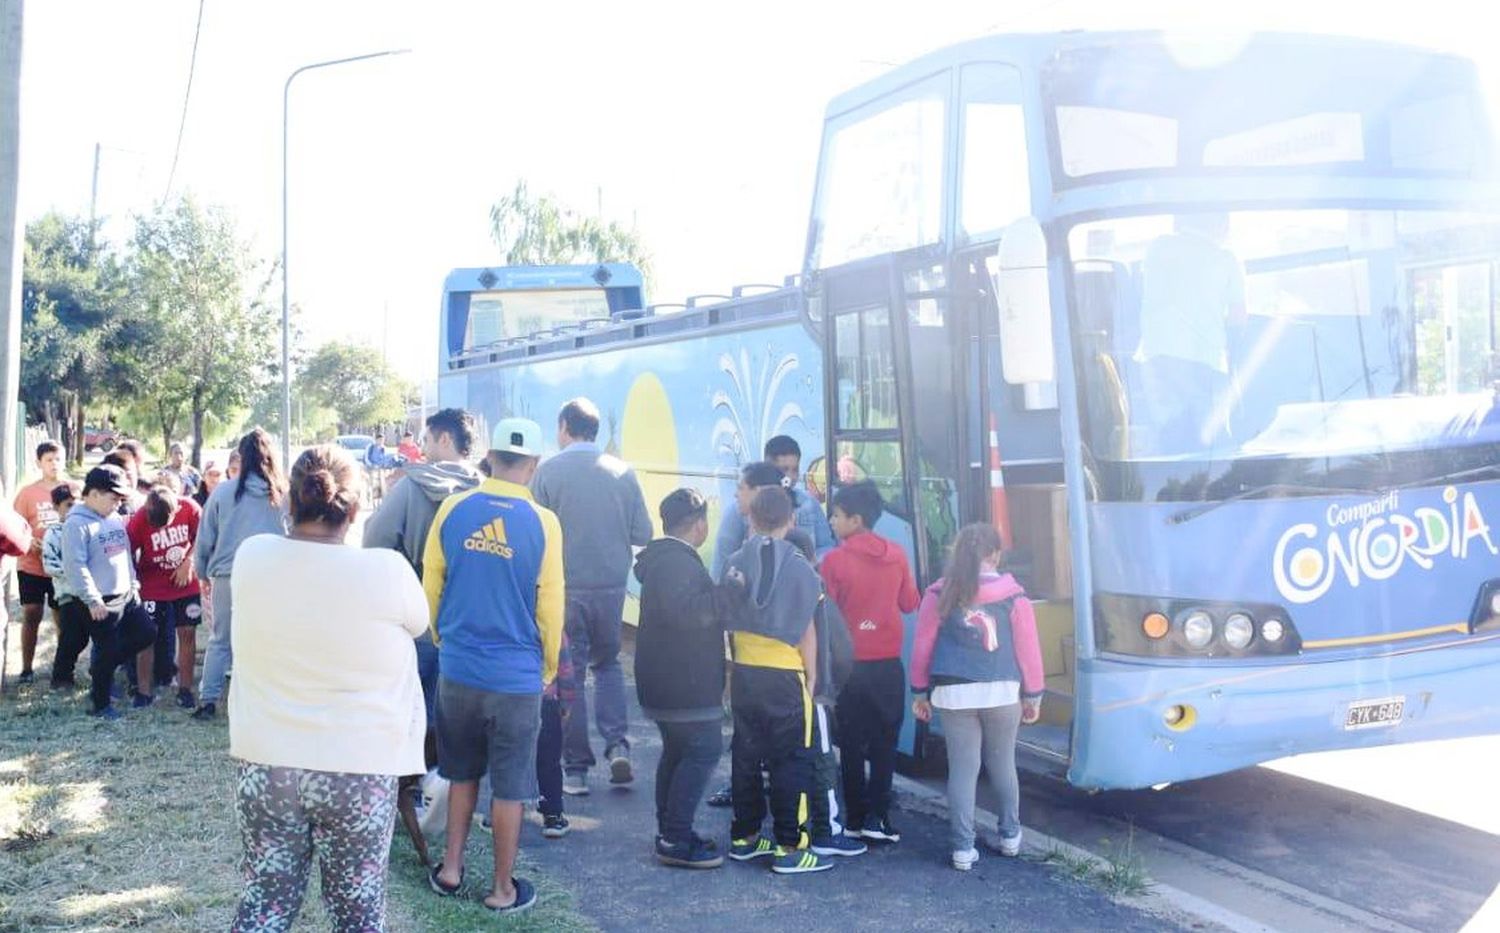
x,y
107,826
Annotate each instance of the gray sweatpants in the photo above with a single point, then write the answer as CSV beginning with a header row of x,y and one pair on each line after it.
x,y
989,735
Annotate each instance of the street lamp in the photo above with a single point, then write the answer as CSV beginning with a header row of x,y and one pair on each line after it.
x,y
286,327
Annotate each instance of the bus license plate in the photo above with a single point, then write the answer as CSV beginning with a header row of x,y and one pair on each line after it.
x,y
1373,714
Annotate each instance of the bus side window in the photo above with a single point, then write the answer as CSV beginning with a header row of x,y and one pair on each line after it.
x,y
995,185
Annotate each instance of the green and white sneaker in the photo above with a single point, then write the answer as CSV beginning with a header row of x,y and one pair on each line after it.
x,y
799,862
745,850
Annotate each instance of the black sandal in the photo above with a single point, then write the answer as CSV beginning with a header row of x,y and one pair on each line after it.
x,y
440,889
525,898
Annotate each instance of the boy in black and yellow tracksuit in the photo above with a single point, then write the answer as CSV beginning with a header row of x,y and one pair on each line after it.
x,y
775,668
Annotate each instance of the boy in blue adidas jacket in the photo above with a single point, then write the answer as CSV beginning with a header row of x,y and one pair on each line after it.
x,y
493,572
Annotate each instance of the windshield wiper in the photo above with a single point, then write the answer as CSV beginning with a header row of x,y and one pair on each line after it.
x,y
1187,515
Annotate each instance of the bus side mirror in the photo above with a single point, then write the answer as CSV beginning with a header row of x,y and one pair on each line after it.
x,y
1019,276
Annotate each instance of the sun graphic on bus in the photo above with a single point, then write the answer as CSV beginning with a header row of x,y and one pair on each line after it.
x,y
1307,567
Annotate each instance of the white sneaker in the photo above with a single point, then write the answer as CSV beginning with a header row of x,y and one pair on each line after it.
x,y
1009,846
964,860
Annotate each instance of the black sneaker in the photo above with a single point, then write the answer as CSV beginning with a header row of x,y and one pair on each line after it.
x,y
854,829
881,830
64,684
694,853
185,698
838,845
619,764
108,714
723,797
554,825
26,677
205,712
142,700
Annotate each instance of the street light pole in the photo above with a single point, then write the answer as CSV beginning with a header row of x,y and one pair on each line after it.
x,y
286,327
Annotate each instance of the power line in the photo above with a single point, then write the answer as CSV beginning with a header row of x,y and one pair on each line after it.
x,y
186,96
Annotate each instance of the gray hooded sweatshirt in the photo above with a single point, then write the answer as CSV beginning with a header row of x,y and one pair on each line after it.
x,y
781,588
227,523
404,518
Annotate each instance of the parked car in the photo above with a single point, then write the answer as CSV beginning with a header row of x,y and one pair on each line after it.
x,y
103,439
356,444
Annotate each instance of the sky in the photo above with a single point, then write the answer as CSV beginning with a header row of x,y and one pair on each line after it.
x,y
697,123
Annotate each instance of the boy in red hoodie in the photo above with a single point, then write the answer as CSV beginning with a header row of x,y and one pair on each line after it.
x,y
870,579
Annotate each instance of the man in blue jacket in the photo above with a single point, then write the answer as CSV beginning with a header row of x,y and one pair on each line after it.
x,y
785,454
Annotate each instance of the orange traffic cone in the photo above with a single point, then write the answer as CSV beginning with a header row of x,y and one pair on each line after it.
x,y
999,504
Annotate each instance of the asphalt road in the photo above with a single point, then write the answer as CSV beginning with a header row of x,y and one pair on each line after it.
x,y
1333,836
607,862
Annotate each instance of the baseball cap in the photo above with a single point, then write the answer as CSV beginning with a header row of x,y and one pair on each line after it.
x,y
680,505
517,436
109,478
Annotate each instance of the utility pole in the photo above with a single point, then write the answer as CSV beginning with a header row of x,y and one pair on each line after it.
x,y
94,193
11,237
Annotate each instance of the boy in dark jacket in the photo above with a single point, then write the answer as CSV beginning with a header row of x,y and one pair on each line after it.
x,y
679,674
775,648
870,579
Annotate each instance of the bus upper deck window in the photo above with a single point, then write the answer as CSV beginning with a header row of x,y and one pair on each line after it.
x,y
995,186
880,185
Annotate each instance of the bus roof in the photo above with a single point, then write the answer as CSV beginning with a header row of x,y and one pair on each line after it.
x,y
530,278
1030,51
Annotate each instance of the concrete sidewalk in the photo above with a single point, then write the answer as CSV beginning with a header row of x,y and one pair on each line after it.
x,y
607,863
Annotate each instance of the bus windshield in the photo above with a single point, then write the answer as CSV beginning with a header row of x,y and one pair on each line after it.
x,y
1354,342
1152,107
495,316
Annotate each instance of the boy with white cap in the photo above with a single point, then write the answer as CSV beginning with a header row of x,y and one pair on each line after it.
x,y
493,572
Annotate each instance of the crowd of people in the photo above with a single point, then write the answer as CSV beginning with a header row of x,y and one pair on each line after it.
x,y
459,640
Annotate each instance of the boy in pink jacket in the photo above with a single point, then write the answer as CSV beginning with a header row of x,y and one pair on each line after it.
x,y
977,661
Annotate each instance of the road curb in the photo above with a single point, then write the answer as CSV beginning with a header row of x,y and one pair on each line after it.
x,y
1164,901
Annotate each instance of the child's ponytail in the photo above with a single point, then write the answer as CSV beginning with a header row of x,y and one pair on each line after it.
x,y
961,581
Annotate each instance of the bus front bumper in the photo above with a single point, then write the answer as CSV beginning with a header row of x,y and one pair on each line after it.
x,y
1226,717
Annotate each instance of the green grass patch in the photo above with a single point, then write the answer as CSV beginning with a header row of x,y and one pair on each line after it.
x,y
107,826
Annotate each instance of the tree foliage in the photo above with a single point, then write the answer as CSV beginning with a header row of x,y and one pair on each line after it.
x,y
206,334
73,312
536,230
355,382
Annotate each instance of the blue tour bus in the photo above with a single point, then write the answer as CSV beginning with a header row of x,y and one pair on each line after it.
x,y
1209,327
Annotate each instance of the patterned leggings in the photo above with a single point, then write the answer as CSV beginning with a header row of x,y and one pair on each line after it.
x,y
285,814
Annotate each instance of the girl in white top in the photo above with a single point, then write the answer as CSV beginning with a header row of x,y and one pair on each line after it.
x,y
325,704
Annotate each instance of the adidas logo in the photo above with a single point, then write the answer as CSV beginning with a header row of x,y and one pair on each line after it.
x,y
868,625
490,540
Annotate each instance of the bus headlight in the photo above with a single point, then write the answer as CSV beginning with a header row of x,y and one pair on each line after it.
x,y
1239,630
1198,628
1272,630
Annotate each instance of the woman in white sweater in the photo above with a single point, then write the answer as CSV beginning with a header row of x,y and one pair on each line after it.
x,y
325,706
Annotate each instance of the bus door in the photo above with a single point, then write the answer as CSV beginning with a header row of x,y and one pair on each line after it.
x,y
890,407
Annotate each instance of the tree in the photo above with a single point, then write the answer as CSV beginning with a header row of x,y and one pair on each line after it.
x,y
356,383
536,230
73,311
205,334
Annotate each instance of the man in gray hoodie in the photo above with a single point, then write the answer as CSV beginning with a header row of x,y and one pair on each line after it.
x,y
598,500
405,514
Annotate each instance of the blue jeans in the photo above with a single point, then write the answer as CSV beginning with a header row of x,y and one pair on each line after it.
x,y
427,672
549,774
690,752
218,657
593,626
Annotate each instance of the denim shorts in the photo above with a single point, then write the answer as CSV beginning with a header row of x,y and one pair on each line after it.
x,y
479,731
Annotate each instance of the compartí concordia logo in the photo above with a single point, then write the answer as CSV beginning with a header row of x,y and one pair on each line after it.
x,y
1375,539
